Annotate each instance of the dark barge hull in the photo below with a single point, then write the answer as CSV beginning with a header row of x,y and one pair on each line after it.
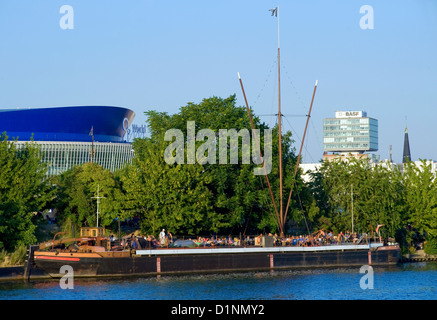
x,y
161,262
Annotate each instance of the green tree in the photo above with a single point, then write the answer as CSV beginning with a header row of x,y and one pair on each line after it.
x,y
421,198
375,191
76,191
330,187
24,192
174,198
195,198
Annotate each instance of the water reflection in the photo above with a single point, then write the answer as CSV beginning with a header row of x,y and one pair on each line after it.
x,y
407,281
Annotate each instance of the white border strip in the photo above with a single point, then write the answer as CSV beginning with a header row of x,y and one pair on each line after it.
x,y
255,250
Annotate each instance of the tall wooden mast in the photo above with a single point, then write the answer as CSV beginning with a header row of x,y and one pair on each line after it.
x,y
280,214
275,12
281,222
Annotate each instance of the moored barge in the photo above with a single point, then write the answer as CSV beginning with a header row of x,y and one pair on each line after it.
x,y
99,260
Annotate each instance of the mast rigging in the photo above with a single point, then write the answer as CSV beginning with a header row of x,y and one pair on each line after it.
x,y
280,214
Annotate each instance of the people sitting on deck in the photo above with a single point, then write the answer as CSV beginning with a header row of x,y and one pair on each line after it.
x,y
309,241
134,242
124,243
258,240
300,241
151,242
347,236
340,237
354,238
170,238
248,241
142,243
317,238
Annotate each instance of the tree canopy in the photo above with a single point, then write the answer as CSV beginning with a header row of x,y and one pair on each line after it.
x,y
399,198
76,199
202,197
23,192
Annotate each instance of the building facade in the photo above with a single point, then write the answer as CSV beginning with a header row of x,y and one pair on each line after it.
x,y
70,136
350,132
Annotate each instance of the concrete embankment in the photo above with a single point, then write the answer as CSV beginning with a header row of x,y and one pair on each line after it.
x,y
11,273
419,256
18,273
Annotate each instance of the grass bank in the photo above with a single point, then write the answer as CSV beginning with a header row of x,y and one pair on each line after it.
x,y
12,259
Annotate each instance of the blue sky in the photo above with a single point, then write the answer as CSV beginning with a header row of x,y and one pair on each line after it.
x,y
160,55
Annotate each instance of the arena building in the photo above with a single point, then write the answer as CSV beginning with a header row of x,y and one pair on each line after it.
x,y
70,136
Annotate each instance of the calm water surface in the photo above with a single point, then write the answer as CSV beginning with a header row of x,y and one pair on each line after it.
x,y
414,281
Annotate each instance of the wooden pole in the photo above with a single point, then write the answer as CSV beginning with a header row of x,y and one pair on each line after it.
x,y
352,205
281,221
260,154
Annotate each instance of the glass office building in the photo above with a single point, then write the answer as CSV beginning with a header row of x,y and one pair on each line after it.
x,y
70,136
350,131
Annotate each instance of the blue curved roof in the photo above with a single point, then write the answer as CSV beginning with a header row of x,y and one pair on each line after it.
x,y
67,123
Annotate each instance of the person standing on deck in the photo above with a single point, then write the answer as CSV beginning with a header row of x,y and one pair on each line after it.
x,y
162,237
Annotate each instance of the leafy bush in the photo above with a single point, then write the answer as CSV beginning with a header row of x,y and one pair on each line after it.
x,y
430,246
19,255
3,255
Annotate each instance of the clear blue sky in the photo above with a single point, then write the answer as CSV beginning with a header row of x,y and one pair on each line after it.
x,y
162,54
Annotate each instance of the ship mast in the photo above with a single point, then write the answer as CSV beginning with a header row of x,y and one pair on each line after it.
x,y
282,222
281,217
98,202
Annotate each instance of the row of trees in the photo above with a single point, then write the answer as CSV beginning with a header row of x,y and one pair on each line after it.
x,y
214,198
23,192
182,198
401,198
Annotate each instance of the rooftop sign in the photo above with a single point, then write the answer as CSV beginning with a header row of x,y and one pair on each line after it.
x,y
350,114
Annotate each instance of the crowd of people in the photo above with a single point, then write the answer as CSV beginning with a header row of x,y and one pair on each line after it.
x,y
320,238
166,240
143,242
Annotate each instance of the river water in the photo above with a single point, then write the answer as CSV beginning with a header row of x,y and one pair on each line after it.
x,y
410,281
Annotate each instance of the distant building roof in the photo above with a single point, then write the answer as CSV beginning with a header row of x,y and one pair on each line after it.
x,y
407,155
73,123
